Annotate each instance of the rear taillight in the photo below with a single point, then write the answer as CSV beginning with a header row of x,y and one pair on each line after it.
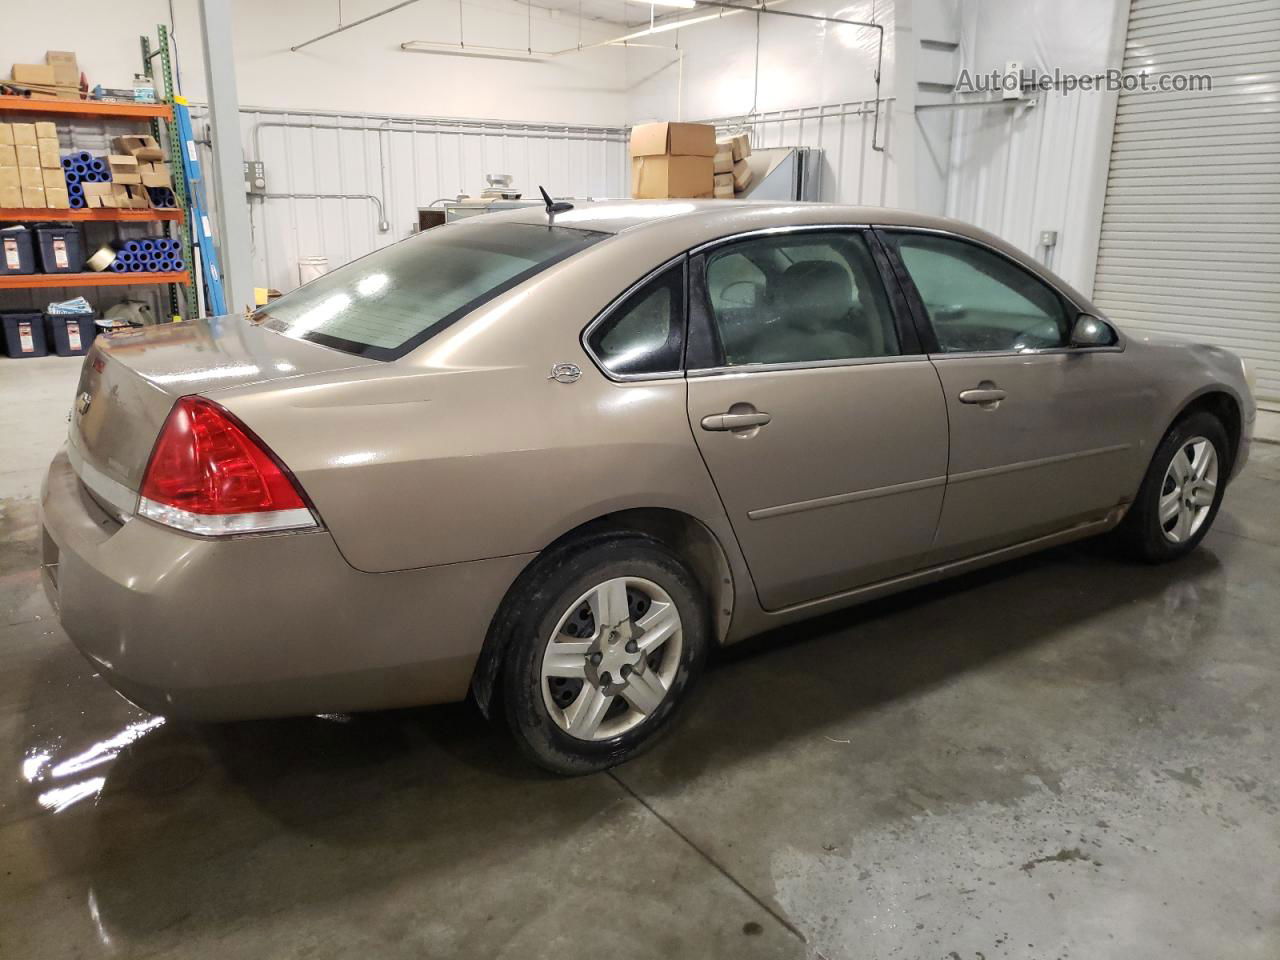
x,y
209,475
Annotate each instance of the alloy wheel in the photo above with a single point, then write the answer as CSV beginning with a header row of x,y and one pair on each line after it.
x,y
612,658
1189,487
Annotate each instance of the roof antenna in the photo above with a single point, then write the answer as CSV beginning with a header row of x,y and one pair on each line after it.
x,y
553,207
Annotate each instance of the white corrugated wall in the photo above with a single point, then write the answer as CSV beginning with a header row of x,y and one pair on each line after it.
x,y
333,178
1190,241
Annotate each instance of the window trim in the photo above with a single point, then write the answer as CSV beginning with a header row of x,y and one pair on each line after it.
x,y
584,338
920,314
702,326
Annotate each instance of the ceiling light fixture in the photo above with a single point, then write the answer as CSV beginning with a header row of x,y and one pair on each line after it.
x,y
671,25
472,50
682,4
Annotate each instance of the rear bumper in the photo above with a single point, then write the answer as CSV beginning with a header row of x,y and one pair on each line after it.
x,y
257,626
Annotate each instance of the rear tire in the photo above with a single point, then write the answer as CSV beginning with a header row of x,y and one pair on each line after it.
x,y
605,645
1181,492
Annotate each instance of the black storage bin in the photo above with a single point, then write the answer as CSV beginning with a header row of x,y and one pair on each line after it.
x,y
23,333
60,249
69,336
16,255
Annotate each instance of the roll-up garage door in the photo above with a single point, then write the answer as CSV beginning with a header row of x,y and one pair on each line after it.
x,y
1190,241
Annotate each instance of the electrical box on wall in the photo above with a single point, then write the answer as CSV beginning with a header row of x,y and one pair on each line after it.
x,y
255,178
1012,89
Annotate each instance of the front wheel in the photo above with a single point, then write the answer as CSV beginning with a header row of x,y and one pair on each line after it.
x,y
1181,492
607,642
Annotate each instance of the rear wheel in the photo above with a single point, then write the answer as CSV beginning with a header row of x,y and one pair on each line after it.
x,y
1181,492
607,642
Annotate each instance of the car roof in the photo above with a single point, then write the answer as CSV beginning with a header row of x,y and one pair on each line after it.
x,y
685,224
618,216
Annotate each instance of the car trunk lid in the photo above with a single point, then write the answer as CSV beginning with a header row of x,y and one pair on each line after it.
x,y
131,379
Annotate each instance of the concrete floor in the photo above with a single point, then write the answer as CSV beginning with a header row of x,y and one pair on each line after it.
x,y
1068,756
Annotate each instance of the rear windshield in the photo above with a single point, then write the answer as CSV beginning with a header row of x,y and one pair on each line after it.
x,y
385,304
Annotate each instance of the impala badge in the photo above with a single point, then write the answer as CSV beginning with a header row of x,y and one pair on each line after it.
x,y
565,373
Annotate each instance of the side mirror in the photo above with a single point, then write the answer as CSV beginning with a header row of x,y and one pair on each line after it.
x,y
1091,331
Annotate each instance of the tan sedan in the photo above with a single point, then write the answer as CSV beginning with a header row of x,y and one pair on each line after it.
x,y
561,461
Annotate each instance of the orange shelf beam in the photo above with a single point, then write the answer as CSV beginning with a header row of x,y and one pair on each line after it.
x,y
105,279
23,214
86,108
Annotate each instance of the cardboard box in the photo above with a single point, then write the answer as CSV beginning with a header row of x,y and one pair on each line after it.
x,y
31,177
673,139
10,197
28,155
46,130
724,162
24,133
10,179
53,178
66,71
57,197
124,168
660,177
34,198
724,180
99,195
130,196
140,148
8,155
6,134
155,174
50,158
741,176
741,147
33,73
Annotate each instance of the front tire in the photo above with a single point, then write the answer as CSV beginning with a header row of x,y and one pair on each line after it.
x,y
1180,495
607,641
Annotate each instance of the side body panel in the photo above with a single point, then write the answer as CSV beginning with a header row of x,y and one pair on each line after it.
x,y
1066,444
842,486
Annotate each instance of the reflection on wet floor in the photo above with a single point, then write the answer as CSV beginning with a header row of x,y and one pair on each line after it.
x,y
42,766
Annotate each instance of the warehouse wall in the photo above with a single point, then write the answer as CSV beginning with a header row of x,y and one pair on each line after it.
x,y
389,166
1013,171
1018,171
816,88
356,70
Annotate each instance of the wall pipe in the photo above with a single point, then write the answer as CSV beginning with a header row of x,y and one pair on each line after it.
x,y
762,8
758,9
353,23
383,225
460,127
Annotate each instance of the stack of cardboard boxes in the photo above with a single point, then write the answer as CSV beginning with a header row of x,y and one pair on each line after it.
x,y
685,160
672,160
733,173
31,172
58,78
136,165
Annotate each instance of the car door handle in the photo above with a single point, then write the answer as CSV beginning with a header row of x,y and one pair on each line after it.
x,y
982,395
735,421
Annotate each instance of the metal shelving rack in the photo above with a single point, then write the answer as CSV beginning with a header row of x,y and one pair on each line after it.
x,y
174,144
156,113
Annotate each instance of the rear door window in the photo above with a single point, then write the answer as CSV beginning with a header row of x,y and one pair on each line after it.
x,y
385,304
801,297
